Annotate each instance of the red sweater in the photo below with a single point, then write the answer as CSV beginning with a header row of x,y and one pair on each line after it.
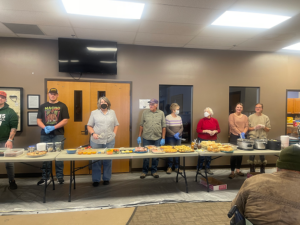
x,y
208,124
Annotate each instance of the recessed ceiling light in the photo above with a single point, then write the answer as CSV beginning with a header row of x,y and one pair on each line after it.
x,y
102,49
105,8
295,47
108,62
63,61
74,61
245,19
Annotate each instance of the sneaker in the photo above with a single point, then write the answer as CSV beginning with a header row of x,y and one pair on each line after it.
x,y
209,172
106,182
177,169
95,184
240,174
60,180
42,181
169,170
231,176
12,185
155,175
143,175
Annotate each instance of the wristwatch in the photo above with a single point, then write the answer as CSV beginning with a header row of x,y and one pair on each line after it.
x,y
92,134
10,140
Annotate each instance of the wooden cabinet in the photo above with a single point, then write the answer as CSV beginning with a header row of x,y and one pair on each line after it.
x,y
290,105
296,105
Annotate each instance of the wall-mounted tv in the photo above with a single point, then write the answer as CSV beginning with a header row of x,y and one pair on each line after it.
x,y
87,56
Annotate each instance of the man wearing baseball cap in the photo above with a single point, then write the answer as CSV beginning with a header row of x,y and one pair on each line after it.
x,y
153,131
52,117
273,198
8,129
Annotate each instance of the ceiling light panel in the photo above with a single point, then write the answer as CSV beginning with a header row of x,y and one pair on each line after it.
x,y
105,8
295,47
251,20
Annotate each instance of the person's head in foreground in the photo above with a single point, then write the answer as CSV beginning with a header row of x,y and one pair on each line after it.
x,y
273,198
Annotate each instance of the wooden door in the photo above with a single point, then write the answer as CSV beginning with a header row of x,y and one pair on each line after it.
x,y
73,130
290,105
296,105
119,97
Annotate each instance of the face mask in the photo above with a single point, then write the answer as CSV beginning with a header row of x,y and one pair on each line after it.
x,y
103,106
206,114
176,112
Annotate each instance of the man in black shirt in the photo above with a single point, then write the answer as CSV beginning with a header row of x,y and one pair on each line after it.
x,y
52,117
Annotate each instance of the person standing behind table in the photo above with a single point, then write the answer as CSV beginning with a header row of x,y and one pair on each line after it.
x,y
103,126
174,129
153,129
238,126
8,130
52,117
207,129
259,126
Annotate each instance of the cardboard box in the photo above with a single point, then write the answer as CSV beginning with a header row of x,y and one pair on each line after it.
x,y
250,174
214,184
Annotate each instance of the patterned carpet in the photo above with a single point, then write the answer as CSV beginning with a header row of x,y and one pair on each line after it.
x,y
212,213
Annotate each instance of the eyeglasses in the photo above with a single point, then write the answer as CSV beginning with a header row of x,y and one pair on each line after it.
x,y
3,97
151,104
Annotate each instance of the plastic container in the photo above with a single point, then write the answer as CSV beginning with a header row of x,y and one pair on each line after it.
x,y
41,146
158,151
58,146
71,151
13,152
31,149
50,147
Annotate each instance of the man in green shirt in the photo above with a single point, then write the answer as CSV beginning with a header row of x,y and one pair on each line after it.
x,y
8,129
153,131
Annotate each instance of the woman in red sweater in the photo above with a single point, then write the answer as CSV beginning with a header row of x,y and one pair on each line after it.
x,y
207,130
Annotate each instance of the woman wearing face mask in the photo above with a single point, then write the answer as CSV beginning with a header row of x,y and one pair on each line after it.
x,y
174,131
238,126
207,129
102,126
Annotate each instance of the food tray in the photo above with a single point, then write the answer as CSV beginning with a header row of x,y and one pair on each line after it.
x,y
126,151
86,152
227,151
36,154
2,150
13,152
172,151
112,151
158,151
140,151
186,151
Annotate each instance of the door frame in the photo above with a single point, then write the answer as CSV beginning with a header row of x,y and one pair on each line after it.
x,y
99,81
286,97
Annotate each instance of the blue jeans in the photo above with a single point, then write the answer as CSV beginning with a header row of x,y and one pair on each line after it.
x,y
59,165
154,160
201,159
9,166
107,164
173,141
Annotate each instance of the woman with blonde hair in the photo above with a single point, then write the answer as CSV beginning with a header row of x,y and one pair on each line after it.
x,y
174,131
238,126
103,127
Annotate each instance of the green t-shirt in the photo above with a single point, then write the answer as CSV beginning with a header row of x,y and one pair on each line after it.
x,y
8,120
152,123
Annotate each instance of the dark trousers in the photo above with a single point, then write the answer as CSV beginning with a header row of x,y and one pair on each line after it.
x,y
235,161
154,160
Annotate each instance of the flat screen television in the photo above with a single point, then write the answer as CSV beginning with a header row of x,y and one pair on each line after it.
x,y
87,56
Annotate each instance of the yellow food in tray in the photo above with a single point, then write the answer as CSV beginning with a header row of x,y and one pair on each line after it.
x,y
183,148
166,147
170,150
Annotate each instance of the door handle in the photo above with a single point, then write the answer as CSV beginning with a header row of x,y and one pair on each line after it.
x,y
85,131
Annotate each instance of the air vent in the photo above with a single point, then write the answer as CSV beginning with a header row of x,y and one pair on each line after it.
x,y
24,28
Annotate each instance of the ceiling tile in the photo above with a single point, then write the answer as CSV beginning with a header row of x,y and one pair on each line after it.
x,y
109,35
261,44
158,44
104,23
36,36
206,47
33,5
147,26
57,31
38,18
177,14
7,34
163,38
216,41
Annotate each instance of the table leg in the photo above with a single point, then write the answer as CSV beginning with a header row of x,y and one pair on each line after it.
x,y
178,171
206,174
197,169
186,185
71,169
45,188
74,175
53,183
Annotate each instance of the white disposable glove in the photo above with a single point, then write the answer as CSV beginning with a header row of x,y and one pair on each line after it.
x,y
257,127
262,126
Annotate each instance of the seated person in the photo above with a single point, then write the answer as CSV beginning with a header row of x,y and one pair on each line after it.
x,y
273,198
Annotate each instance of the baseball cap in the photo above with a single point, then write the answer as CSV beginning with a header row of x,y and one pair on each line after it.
x,y
153,101
3,93
53,91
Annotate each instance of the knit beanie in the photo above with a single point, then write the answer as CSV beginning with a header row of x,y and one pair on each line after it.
x,y
289,158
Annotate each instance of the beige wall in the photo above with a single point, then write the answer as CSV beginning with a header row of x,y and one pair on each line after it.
x,y
210,71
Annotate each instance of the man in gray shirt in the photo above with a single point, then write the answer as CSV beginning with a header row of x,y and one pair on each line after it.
x,y
153,131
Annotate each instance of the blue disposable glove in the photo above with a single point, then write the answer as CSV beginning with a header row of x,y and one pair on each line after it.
x,y
177,136
139,141
243,135
162,142
48,129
